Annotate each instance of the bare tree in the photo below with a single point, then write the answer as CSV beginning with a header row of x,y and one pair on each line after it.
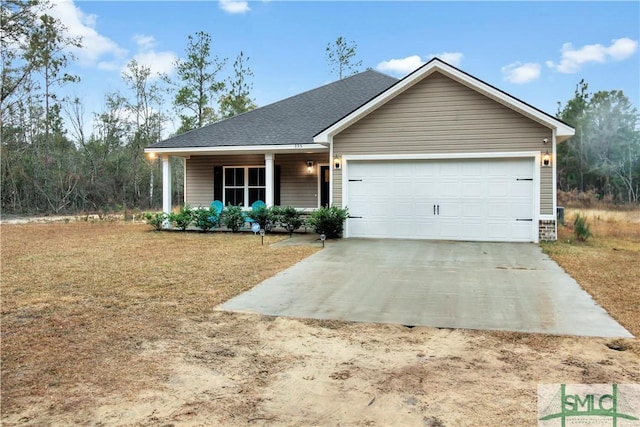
x,y
146,116
341,57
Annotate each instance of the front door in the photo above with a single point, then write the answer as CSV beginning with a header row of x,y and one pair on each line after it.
x,y
324,185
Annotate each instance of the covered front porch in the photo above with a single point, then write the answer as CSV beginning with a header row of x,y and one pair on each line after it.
x,y
298,177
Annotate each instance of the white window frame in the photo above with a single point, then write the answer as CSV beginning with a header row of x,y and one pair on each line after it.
x,y
245,187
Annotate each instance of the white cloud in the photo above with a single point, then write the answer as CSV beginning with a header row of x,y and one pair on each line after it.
x,y
400,66
234,7
622,49
406,65
572,59
158,62
452,58
95,46
521,73
144,42
100,51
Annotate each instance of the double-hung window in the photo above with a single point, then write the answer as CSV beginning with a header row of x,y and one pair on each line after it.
x,y
244,185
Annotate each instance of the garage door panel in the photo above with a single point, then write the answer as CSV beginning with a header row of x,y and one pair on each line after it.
x,y
477,199
472,189
449,232
405,190
371,228
471,169
448,210
497,210
521,232
498,189
448,189
520,211
523,190
403,175
473,209
423,191
448,171
407,230
496,231
498,169
403,208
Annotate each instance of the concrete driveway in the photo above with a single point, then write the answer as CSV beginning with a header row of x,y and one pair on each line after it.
x,y
503,286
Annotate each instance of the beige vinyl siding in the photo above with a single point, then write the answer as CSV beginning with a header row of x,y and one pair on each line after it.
x,y
298,188
198,182
441,115
337,187
546,198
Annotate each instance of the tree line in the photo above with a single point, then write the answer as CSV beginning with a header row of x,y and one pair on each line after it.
x,y
603,157
50,163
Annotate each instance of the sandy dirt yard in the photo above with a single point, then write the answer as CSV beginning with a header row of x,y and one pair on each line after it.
x,y
237,369
208,367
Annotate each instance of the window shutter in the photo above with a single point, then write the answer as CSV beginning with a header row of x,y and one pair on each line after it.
x,y
276,185
217,183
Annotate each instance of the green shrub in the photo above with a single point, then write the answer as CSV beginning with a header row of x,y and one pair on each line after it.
x,y
155,219
276,212
329,221
233,218
263,216
182,219
581,229
289,219
206,219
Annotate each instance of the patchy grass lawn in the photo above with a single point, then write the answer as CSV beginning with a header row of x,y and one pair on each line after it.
x,y
80,300
607,265
112,324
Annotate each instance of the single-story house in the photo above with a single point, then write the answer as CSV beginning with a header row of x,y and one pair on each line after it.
x,y
438,154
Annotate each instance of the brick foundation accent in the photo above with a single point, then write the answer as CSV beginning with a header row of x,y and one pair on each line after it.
x,y
547,230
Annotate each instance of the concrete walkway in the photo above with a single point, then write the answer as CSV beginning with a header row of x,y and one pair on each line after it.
x,y
502,286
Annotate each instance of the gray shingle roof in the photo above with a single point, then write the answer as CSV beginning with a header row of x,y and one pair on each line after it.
x,y
295,120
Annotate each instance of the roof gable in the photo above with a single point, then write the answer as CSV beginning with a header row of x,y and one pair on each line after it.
x,y
563,131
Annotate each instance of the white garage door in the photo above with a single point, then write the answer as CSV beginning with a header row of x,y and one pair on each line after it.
x,y
483,200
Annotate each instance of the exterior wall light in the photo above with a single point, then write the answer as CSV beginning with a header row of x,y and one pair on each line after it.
x,y
309,166
336,162
546,159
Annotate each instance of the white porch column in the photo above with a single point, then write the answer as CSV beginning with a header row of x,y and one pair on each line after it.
x,y
166,186
268,172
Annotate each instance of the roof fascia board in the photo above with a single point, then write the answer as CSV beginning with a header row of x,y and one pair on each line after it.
x,y
562,130
302,148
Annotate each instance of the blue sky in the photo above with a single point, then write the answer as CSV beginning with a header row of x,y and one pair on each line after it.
x,y
536,51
